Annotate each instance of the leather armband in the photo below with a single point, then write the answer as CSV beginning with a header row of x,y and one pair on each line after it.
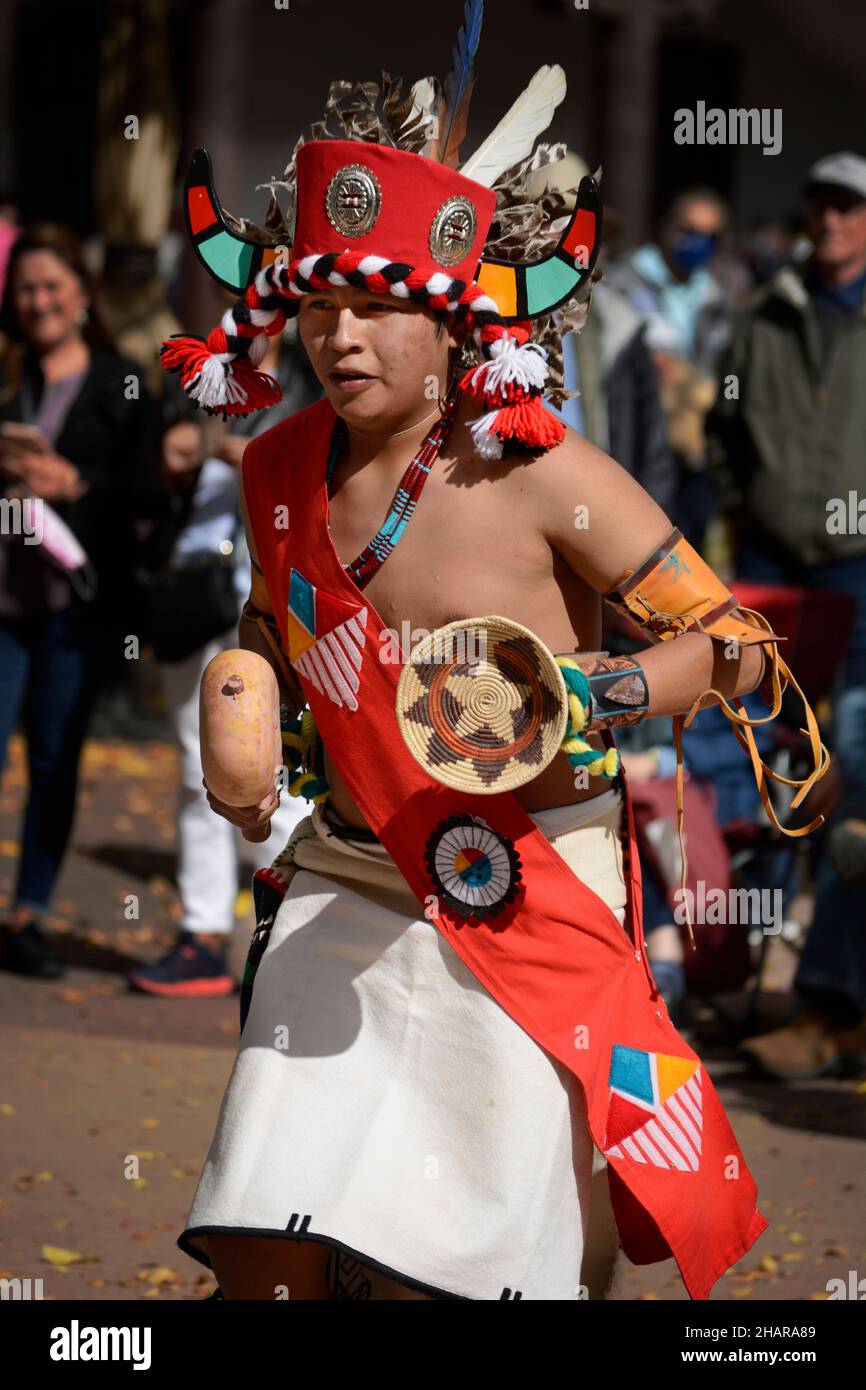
x,y
674,592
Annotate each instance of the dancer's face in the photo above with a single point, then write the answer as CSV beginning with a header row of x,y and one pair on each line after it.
x,y
379,359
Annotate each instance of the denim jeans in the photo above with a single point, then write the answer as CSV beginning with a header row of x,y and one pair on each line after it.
x,y
51,668
831,974
832,969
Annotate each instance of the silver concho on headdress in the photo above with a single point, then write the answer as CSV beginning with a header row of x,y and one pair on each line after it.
x,y
453,231
353,200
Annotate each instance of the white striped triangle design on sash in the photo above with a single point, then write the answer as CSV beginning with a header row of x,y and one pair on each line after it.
x,y
671,1136
333,663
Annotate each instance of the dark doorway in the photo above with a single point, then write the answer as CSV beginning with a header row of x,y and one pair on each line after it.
x,y
692,70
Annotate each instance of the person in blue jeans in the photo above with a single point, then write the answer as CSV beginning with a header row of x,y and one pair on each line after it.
x,y
51,669
827,1037
75,435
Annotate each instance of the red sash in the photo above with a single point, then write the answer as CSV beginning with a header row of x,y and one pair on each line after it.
x,y
554,956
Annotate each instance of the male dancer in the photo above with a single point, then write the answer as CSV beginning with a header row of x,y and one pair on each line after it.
x,y
425,1110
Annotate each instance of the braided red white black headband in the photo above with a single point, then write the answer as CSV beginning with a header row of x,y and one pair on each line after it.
x,y
220,373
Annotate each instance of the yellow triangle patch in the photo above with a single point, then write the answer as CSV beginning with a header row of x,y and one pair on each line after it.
x,y
672,1073
299,638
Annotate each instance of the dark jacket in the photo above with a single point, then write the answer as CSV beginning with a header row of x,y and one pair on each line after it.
x,y
620,397
112,441
789,434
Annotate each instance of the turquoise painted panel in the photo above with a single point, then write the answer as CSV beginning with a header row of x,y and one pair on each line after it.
x,y
228,258
548,283
302,600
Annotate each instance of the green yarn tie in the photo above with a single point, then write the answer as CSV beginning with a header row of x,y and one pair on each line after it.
x,y
305,756
577,750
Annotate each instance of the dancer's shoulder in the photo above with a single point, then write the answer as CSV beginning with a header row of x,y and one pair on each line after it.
x,y
593,511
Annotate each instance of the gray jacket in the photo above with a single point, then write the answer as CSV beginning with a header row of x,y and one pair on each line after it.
x,y
789,435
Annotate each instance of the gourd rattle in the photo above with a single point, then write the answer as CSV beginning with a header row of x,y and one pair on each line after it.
x,y
239,721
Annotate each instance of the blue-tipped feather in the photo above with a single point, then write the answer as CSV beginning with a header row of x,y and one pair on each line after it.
x,y
459,82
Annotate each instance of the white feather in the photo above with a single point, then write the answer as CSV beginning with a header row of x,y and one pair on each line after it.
x,y
424,98
424,94
514,137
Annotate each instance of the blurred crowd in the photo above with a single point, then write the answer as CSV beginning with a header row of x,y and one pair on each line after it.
x,y
723,366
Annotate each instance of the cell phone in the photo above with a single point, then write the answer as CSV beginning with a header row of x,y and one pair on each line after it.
x,y
28,438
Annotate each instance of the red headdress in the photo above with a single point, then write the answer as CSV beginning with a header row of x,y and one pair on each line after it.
x,y
394,221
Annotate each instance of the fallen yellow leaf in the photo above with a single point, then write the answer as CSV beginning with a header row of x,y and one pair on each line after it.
x,y
56,1256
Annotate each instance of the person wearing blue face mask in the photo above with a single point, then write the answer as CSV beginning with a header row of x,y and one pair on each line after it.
x,y
670,282
692,249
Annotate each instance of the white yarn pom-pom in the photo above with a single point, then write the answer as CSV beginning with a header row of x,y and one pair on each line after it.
x,y
487,444
216,385
210,390
513,363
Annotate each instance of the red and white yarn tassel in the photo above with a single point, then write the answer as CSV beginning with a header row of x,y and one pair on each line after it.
x,y
223,382
512,383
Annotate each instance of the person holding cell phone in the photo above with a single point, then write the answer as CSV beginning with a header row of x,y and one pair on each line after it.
x,y
76,442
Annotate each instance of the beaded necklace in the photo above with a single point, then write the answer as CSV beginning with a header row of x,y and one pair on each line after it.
x,y
405,499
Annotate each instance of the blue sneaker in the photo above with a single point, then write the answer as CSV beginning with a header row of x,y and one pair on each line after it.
x,y
189,970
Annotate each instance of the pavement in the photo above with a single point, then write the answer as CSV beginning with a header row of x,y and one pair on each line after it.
x,y
109,1098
